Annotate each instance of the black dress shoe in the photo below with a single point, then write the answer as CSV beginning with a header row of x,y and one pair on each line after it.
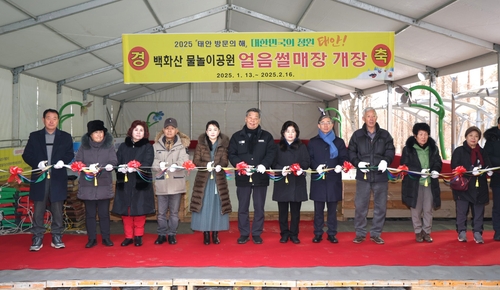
x,y
91,243
206,238
332,239
257,240
127,242
172,240
138,241
317,238
284,239
107,242
160,240
295,240
243,239
215,237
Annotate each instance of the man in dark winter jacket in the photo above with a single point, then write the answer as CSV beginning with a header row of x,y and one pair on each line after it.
x,y
256,148
45,147
371,149
492,147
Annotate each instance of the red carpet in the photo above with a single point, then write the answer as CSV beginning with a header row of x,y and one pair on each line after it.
x,y
400,250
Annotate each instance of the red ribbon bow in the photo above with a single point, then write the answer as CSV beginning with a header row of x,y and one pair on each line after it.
x,y
403,169
77,166
294,168
188,165
459,170
134,164
347,166
14,174
242,167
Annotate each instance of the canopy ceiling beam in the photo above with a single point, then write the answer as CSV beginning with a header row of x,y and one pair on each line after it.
x,y
93,73
267,18
293,92
108,84
40,19
118,40
418,23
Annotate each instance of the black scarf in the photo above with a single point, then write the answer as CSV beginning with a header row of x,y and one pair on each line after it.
x,y
252,138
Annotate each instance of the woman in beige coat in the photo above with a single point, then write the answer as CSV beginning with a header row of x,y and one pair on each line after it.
x,y
171,151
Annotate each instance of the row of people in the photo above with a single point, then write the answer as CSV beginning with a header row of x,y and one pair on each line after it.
x,y
371,148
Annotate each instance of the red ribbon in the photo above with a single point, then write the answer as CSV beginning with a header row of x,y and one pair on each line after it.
x,y
347,166
188,165
459,170
241,167
14,174
134,164
77,166
403,168
294,168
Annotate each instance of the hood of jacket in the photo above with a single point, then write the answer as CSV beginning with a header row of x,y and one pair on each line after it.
x,y
185,140
222,139
107,142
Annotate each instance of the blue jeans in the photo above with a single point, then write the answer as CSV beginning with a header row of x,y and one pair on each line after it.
x,y
361,203
169,202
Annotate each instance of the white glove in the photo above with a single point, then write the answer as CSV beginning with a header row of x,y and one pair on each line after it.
x,y
131,169
172,167
248,171
109,167
320,168
218,168
338,169
261,169
382,166
163,166
425,173
475,171
122,170
299,172
42,165
363,166
490,173
210,166
93,168
434,174
59,164
285,170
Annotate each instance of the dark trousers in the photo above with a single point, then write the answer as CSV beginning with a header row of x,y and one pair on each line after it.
x,y
244,194
293,230
495,214
92,208
319,218
462,208
56,210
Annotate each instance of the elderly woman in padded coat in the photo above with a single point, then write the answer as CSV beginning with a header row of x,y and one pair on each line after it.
x,y
420,192
97,151
210,204
135,197
326,151
290,191
471,156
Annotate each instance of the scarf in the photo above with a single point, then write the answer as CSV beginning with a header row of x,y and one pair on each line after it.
x,y
475,156
252,138
328,138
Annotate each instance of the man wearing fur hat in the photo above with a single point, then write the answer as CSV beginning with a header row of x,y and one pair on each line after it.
x,y
492,147
171,151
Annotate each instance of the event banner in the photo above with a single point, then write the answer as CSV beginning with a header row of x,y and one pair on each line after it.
x,y
239,57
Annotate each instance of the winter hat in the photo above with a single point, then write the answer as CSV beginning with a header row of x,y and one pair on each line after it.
x,y
96,125
170,122
473,128
421,127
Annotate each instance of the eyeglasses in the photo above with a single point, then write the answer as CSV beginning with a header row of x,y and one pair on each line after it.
x,y
325,123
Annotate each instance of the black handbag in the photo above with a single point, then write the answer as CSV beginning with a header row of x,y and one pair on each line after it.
x,y
459,183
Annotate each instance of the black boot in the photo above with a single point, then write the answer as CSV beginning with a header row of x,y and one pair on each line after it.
x,y
138,241
127,242
215,237
206,238
160,240
91,243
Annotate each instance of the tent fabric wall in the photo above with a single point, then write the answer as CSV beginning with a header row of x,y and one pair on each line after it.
x,y
6,97
28,108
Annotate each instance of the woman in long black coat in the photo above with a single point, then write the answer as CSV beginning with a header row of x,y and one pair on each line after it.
x,y
290,191
135,197
326,151
471,156
421,193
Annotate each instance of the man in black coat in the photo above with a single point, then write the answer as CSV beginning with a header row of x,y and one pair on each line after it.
x,y
492,147
371,149
45,147
256,148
